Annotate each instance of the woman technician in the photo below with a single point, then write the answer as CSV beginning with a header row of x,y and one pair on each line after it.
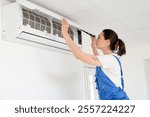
x,y
109,74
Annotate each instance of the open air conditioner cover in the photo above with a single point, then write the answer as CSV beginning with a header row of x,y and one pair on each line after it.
x,y
32,23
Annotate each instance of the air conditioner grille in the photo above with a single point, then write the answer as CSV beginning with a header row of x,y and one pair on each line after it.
x,y
36,21
57,30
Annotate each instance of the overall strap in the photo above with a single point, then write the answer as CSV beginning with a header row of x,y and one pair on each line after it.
x,y
122,81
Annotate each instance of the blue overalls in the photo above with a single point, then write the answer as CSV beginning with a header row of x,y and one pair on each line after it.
x,y
107,90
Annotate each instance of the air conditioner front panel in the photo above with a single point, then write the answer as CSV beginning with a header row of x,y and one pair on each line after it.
x,y
42,40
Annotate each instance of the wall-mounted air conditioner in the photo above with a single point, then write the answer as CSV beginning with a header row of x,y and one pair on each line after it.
x,y
28,23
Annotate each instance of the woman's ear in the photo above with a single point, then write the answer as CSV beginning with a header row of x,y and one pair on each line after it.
x,y
108,42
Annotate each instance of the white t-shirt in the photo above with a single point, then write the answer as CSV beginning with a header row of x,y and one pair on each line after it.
x,y
111,68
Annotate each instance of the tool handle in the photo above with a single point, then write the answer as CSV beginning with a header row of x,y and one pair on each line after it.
x,y
88,33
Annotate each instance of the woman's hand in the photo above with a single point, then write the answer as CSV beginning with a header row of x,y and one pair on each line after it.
x,y
65,26
93,43
75,49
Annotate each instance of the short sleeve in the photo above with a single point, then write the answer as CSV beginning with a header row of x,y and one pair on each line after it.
x,y
107,61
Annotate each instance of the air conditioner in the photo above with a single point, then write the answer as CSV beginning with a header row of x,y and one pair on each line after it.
x,y
28,23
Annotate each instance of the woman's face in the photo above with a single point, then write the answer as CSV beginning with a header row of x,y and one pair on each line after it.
x,y
101,42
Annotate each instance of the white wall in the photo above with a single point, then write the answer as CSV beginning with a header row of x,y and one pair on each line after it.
x,y
147,74
33,73
134,74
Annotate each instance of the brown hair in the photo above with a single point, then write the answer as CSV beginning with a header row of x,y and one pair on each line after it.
x,y
115,42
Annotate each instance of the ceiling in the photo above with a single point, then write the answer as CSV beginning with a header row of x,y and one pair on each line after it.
x,y
129,18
